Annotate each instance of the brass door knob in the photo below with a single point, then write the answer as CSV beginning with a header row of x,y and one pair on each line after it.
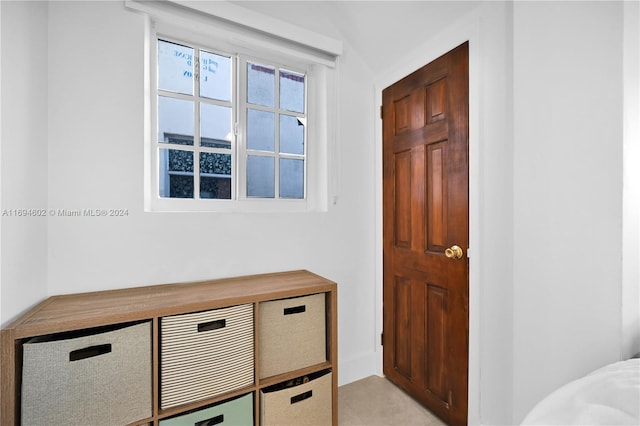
x,y
453,252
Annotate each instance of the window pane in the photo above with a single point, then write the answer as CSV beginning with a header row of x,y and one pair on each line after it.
x,y
215,76
260,130
175,121
291,135
176,173
260,177
261,83
291,91
291,178
175,67
215,175
215,126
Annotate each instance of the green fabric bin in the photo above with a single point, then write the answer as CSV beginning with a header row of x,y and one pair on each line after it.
x,y
235,412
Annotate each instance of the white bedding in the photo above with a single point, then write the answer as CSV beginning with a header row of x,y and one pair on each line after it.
x,y
608,396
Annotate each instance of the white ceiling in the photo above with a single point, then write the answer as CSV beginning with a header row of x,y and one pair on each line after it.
x,y
375,29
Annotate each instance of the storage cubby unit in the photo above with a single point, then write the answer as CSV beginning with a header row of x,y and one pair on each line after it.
x,y
257,350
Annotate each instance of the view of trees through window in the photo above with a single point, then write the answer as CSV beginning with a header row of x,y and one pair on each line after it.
x,y
197,115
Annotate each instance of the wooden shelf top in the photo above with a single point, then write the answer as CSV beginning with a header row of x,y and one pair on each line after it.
x,y
86,310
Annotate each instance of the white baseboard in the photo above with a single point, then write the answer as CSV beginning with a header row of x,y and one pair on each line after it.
x,y
357,368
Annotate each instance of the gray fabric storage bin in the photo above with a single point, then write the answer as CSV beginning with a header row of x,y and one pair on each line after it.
x,y
292,334
103,379
307,404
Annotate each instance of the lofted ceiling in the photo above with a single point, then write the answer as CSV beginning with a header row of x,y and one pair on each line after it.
x,y
382,32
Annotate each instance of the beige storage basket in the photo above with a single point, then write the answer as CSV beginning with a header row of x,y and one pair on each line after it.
x,y
205,354
308,404
292,334
98,379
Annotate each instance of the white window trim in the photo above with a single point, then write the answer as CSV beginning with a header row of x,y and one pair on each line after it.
x,y
317,63
266,24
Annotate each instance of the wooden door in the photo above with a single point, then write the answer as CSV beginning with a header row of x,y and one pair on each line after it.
x,y
425,215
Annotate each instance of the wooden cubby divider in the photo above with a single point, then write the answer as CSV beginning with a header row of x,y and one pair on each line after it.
x,y
74,312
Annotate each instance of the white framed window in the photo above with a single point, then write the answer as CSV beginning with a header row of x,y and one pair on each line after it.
x,y
229,127
234,121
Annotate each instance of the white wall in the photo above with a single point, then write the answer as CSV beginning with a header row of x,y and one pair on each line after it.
x,y
23,280
546,161
96,158
631,184
567,193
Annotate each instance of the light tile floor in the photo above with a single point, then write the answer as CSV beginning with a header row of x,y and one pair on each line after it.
x,y
375,401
